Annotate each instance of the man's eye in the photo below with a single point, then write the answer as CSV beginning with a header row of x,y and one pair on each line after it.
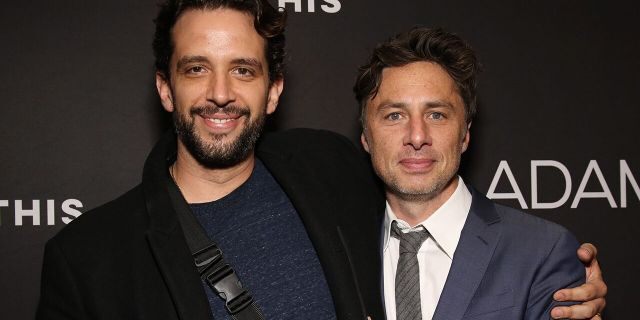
x,y
436,116
394,116
244,72
195,69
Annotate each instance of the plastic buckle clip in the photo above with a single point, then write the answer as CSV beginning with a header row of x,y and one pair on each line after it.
x,y
226,283
206,257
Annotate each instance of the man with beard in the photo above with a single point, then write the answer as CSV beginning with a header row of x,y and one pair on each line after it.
x,y
293,216
448,251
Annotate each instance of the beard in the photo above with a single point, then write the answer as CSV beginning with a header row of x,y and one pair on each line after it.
x,y
211,151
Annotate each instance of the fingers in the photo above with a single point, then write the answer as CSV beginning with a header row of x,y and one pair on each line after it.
x,y
594,287
587,310
593,291
587,253
589,291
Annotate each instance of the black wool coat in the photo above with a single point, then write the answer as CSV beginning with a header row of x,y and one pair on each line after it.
x,y
128,259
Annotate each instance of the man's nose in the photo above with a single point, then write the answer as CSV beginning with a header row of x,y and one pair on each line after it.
x,y
418,133
220,90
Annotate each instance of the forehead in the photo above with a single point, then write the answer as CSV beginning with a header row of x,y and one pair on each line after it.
x,y
217,33
417,83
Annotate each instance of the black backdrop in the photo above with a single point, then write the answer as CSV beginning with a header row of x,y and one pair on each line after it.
x,y
79,112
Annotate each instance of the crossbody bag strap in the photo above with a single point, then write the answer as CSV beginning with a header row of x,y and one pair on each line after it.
x,y
210,263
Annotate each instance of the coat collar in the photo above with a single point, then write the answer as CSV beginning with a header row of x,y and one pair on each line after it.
x,y
166,238
478,240
334,242
336,238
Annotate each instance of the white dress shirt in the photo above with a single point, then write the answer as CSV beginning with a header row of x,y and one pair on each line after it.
x,y
435,254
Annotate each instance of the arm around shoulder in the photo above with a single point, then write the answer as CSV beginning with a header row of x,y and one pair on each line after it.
x,y
559,269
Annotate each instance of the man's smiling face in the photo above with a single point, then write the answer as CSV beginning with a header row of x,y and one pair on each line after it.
x,y
415,131
218,87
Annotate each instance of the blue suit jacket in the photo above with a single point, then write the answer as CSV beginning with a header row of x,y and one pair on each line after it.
x,y
507,265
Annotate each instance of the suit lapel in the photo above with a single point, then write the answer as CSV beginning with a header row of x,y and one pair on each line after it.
x,y
478,241
166,239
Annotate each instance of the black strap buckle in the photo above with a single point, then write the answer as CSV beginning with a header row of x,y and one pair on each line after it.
x,y
227,285
206,257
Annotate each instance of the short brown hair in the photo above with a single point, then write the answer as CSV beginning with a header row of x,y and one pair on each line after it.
x,y
422,44
268,21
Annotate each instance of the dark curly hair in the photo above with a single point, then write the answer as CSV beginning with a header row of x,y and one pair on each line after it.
x,y
268,21
422,44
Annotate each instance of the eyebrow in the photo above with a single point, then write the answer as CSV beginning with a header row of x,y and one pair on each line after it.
x,y
248,62
387,104
190,59
251,62
439,104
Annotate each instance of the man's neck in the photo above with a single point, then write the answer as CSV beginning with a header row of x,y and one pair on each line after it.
x,y
199,184
415,210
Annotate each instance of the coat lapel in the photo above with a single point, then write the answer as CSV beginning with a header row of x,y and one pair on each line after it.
x,y
295,183
478,241
340,245
329,224
181,279
166,239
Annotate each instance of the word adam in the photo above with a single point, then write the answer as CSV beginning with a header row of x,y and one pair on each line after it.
x,y
33,211
328,6
593,169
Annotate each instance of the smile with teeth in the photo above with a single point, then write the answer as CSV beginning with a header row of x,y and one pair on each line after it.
x,y
222,122
216,120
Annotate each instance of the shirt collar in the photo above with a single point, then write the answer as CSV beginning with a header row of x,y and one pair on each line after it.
x,y
445,224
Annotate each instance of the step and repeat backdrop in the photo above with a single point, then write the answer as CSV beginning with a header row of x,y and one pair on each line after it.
x,y
557,132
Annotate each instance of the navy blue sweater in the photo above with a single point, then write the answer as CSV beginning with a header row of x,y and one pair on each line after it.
x,y
264,240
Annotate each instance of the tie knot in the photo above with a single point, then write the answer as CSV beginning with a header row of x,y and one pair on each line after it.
x,y
410,242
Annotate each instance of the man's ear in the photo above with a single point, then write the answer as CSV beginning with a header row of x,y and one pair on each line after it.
x,y
466,138
164,91
364,141
274,94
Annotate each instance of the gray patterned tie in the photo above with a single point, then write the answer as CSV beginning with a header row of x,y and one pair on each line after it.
x,y
408,273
